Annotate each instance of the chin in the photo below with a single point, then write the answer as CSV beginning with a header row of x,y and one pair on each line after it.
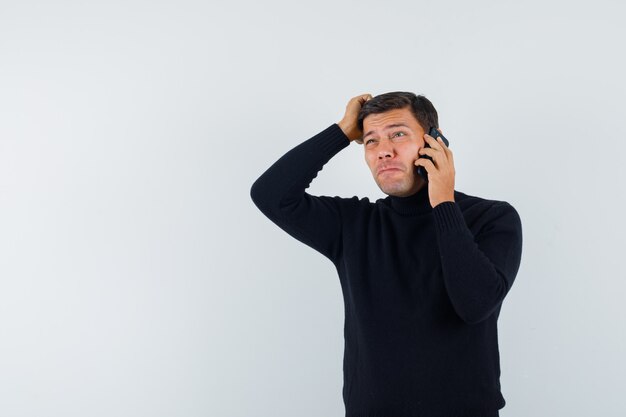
x,y
396,190
399,193
401,188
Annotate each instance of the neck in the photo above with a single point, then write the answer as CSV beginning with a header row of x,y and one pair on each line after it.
x,y
416,203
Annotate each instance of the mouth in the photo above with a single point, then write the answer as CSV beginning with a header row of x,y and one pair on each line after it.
x,y
387,169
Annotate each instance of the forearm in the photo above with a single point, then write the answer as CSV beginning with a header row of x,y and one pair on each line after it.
x,y
283,184
479,270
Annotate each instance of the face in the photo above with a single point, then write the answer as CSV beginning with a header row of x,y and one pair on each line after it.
x,y
392,140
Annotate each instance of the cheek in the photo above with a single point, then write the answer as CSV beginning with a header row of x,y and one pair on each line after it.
x,y
410,152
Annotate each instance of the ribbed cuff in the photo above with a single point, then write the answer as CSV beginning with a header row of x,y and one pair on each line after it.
x,y
449,218
332,139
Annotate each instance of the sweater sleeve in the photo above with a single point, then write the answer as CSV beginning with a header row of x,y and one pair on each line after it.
x,y
478,270
280,193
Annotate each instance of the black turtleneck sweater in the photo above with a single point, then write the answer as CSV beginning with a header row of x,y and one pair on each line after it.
x,y
422,286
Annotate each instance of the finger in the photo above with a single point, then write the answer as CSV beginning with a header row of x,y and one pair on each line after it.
x,y
447,151
435,144
444,148
426,163
428,151
435,151
365,98
436,156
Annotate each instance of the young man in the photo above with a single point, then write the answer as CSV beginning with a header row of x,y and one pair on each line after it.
x,y
423,271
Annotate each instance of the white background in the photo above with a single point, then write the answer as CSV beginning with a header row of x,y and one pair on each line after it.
x,y
138,279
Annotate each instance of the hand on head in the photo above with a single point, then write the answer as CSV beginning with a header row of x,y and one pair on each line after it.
x,y
349,123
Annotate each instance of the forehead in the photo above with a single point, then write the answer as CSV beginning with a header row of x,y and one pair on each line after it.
x,y
379,121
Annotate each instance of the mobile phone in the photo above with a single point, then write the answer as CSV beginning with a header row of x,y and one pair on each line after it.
x,y
435,134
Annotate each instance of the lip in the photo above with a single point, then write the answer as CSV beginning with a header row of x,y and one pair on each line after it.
x,y
388,169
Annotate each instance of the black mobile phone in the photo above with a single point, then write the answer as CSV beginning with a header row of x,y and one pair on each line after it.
x,y
435,134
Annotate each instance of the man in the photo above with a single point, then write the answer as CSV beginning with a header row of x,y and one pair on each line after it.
x,y
423,271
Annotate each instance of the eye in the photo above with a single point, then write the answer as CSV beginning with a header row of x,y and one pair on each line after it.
x,y
398,134
369,141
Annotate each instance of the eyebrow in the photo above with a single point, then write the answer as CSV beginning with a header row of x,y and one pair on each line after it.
x,y
388,127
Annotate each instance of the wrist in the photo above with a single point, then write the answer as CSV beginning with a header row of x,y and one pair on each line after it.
x,y
350,130
443,200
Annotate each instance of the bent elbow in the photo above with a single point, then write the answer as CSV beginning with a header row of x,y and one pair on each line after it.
x,y
473,319
476,314
264,197
256,193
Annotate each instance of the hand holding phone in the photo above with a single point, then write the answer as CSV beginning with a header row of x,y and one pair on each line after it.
x,y
435,134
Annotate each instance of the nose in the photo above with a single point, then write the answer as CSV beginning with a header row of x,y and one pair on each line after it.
x,y
384,150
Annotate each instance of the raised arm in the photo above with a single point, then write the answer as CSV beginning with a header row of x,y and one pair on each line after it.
x,y
280,192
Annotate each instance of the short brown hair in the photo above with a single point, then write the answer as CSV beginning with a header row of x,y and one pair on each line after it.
x,y
420,106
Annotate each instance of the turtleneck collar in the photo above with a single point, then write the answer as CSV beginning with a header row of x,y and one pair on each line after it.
x,y
413,204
